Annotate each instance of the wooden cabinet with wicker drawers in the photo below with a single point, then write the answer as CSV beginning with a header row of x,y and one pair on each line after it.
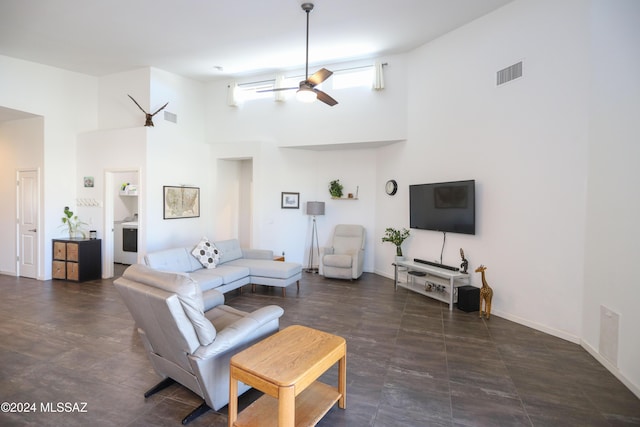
x,y
77,260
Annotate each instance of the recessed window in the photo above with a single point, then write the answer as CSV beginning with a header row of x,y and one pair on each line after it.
x,y
252,91
355,77
341,79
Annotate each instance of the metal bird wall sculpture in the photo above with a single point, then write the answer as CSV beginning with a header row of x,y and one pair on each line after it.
x,y
149,117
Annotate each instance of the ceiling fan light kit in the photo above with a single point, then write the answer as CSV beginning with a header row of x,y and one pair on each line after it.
x,y
306,95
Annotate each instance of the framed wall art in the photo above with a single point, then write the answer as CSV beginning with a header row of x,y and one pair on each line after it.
x,y
290,200
181,202
88,181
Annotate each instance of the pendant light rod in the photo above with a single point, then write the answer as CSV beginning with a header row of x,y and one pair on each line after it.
x,y
307,7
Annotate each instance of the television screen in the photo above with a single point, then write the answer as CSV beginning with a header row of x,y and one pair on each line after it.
x,y
443,206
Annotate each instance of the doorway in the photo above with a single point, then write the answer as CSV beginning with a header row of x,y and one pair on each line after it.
x,y
234,201
121,211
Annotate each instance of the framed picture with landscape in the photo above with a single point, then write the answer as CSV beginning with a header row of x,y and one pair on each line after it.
x,y
181,202
290,200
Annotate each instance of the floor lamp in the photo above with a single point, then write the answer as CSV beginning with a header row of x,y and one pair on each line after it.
x,y
315,209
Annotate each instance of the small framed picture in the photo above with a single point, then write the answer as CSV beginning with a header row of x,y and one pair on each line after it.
x,y
290,200
88,181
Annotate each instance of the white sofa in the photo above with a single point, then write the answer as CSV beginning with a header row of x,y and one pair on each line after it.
x,y
237,267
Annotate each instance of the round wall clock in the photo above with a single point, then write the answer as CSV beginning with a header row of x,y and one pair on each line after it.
x,y
391,187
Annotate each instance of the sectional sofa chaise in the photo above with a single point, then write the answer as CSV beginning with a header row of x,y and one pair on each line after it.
x,y
234,267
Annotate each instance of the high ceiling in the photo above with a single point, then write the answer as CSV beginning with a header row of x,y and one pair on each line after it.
x,y
214,39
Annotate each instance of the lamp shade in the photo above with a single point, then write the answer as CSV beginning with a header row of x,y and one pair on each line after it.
x,y
315,208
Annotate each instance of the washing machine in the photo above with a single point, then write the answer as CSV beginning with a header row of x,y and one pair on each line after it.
x,y
125,250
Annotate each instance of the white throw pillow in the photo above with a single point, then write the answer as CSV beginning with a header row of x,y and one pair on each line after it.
x,y
206,253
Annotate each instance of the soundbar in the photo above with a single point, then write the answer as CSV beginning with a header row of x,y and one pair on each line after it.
x,y
436,264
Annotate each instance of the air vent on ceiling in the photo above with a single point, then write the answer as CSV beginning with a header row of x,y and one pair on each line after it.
x,y
510,73
170,117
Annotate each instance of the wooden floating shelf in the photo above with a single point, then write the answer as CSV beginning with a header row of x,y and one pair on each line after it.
x,y
344,198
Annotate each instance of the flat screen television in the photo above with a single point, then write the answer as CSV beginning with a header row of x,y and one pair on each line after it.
x,y
443,206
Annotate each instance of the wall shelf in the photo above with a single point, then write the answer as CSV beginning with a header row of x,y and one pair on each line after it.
x,y
129,190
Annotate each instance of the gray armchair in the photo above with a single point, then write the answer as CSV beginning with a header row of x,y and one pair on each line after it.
x,y
344,259
186,341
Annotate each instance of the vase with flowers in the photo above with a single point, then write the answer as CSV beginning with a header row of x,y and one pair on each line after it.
x,y
73,224
396,237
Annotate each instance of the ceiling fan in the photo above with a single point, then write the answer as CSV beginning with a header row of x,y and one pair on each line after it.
x,y
307,91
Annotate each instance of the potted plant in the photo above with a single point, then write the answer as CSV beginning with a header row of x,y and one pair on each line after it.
x,y
335,189
73,223
396,237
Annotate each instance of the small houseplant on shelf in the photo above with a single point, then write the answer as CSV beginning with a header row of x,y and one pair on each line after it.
x,y
396,237
335,189
73,223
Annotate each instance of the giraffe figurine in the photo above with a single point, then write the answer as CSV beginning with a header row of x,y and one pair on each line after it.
x,y
486,293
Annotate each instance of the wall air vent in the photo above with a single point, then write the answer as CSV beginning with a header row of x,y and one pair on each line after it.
x,y
609,333
170,117
510,73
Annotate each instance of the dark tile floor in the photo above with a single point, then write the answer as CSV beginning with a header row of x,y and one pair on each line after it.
x,y
410,361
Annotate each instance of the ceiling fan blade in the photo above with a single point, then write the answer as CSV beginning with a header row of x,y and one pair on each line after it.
x,y
322,96
277,89
319,76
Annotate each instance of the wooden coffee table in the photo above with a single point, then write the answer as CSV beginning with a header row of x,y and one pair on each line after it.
x,y
285,366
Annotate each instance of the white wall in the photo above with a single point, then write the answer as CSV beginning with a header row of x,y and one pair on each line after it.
x,y
116,110
308,172
67,102
113,150
523,143
260,130
245,203
280,230
361,115
165,154
21,147
175,165
186,100
160,161
177,155
612,248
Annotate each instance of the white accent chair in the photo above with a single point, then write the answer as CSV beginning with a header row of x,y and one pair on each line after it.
x,y
344,259
186,341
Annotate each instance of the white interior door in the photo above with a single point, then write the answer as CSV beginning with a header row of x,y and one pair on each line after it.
x,y
107,256
27,247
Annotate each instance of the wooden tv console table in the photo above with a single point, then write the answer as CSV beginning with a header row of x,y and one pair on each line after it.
x,y
285,366
449,280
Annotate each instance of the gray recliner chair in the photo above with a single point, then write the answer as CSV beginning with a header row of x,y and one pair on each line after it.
x,y
344,259
188,340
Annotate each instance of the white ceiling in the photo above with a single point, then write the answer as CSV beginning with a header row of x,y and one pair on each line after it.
x,y
193,37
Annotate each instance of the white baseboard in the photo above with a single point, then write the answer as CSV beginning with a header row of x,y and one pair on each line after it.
x,y
519,320
635,389
537,326
383,274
